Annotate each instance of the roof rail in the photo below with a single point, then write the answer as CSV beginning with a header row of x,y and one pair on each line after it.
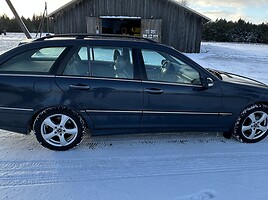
x,y
83,36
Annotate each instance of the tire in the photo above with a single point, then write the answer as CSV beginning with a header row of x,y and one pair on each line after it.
x,y
59,128
227,135
252,124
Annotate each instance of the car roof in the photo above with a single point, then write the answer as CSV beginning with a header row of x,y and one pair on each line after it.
x,y
95,39
113,37
85,39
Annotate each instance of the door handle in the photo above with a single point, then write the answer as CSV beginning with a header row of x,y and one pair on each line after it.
x,y
153,90
79,87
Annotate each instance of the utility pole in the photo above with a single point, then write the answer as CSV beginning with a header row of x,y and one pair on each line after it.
x,y
19,20
47,17
41,25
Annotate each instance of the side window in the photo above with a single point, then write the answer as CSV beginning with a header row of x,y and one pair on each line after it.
x,y
78,64
152,58
33,61
163,67
111,62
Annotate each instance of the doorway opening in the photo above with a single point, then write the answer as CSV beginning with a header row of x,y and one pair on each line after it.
x,y
121,25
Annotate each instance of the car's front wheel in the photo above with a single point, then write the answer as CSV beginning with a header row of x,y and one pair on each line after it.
x,y
59,128
252,124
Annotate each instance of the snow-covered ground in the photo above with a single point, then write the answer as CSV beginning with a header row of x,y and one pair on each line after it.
x,y
182,166
249,60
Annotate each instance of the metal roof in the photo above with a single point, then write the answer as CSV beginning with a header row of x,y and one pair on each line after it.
x,y
73,2
190,9
66,6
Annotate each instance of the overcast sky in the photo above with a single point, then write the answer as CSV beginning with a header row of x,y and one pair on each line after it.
x,y
255,11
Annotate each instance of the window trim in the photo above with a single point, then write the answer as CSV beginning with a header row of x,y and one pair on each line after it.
x,y
171,83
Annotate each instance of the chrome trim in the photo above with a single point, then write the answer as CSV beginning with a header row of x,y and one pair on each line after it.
x,y
17,109
175,84
179,113
28,75
115,111
156,112
225,114
99,78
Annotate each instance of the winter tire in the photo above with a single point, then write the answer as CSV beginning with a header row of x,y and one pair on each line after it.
x,y
252,124
59,128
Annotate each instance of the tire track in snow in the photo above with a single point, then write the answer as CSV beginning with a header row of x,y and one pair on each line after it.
x,y
17,173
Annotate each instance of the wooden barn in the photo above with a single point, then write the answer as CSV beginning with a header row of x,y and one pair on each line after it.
x,y
165,21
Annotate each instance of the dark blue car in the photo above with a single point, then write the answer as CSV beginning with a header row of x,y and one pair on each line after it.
x,y
62,86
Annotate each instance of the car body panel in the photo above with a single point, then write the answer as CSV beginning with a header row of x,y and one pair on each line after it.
x,y
122,105
179,106
110,103
23,95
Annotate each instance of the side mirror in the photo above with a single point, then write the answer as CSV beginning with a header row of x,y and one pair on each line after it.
x,y
207,83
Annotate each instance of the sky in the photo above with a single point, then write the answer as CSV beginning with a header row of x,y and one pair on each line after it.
x,y
255,11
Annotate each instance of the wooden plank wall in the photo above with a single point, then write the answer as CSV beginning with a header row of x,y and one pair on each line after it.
x,y
181,28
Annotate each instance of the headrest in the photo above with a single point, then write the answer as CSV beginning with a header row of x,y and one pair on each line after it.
x,y
116,54
120,62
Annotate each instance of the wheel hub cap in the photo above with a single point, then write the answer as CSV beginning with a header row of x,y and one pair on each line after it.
x,y
59,130
255,125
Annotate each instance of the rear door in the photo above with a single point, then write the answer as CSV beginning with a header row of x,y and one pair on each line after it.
x,y
92,81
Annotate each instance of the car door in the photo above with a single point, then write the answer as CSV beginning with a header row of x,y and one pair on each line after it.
x,y
174,97
109,93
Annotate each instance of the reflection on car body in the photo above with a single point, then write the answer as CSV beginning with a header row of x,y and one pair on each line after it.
x,y
64,85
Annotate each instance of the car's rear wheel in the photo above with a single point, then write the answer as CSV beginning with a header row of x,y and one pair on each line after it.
x,y
59,128
252,124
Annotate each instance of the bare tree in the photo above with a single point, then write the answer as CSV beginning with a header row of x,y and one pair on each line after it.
x,y
183,2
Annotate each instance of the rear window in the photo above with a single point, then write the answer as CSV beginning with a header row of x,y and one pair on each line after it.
x,y
37,60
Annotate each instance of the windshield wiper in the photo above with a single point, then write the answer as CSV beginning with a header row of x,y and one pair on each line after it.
x,y
216,73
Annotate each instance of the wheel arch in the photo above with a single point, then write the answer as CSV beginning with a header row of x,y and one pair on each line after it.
x,y
243,116
262,102
83,115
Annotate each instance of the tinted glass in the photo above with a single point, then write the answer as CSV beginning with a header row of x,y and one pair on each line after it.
x,y
111,62
163,67
37,60
78,64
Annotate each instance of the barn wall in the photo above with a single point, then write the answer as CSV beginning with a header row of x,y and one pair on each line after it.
x,y
181,28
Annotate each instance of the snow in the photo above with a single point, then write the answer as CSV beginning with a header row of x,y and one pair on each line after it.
x,y
119,17
244,59
181,166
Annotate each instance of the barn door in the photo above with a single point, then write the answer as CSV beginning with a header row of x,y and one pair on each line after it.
x,y
152,29
93,25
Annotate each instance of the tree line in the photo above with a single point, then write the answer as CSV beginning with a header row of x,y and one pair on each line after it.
x,y
222,30
11,24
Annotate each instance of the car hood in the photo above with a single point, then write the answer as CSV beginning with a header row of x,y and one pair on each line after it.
x,y
234,78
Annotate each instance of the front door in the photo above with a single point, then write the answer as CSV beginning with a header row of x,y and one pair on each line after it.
x,y
174,97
